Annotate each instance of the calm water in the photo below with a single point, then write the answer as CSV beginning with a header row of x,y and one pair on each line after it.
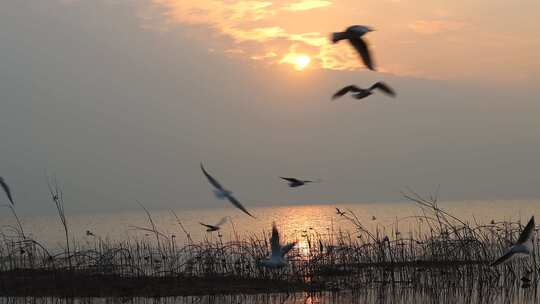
x,y
292,220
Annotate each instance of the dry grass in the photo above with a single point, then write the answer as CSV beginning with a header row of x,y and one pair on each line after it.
x,y
445,249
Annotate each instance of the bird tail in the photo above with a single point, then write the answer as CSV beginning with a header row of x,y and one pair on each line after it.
x,y
337,36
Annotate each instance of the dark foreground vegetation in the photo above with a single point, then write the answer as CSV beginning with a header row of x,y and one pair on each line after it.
x,y
443,251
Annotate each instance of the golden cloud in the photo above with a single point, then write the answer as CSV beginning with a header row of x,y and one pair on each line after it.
x,y
238,20
306,5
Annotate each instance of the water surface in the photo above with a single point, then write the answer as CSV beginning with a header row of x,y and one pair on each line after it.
x,y
294,221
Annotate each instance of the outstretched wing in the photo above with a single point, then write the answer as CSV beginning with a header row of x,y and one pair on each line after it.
x,y
362,48
221,222
6,190
207,226
527,233
290,179
211,180
505,258
285,249
383,87
236,203
346,90
274,241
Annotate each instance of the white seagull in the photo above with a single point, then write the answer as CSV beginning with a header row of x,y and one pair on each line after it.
x,y
5,186
354,34
216,227
360,93
277,257
222,193
523,246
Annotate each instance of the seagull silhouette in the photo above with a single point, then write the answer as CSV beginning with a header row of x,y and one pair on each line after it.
x,y
277,257
6,190
216,227
523,246
222,193
354,34
360,93
339,212
294,182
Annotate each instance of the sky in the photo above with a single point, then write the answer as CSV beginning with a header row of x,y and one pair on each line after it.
x,y
121,101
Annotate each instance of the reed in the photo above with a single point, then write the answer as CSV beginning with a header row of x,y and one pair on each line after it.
x,y
440,248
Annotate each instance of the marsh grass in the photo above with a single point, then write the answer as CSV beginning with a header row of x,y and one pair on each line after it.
x,y
441,249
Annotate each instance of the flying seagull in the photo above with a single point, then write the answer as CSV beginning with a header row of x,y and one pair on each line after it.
x,y
523,246
360,93
339,212
216,227
354,35
222,193
294,182
6,190
277,257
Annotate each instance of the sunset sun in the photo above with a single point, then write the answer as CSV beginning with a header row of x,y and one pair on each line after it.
x,y
301,62
298,61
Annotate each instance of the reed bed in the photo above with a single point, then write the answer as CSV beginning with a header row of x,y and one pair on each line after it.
x,y
442,250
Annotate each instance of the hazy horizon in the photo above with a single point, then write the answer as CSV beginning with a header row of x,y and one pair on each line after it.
x,y
121,101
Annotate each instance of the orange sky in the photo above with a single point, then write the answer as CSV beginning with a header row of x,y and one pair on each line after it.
x,y
465,40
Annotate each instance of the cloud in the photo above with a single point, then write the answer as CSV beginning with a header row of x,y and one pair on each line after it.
x,y
267,55
306,5
254,29
435,26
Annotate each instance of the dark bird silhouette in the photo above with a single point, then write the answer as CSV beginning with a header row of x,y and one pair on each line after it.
x,y
523,246
339,212
6,190
360,93
354,35
222,193
216,227
294,182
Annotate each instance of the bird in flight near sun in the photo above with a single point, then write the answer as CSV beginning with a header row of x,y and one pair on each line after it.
x,y
354,34
360,93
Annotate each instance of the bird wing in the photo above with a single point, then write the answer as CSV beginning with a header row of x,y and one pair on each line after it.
x,y
211,180
527,233
221,222
383,87
505,258
361,46
359,30
235,202
207,226
345,90
6,190
290,179
274,241
285,249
